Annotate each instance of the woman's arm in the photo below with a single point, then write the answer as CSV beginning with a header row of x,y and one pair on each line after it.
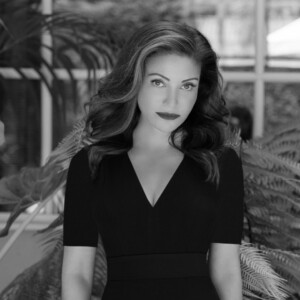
x,y
77,272
225,270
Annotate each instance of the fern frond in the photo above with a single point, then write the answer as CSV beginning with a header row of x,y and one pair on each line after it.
x,y
281,198
269,161
285,141
265,230
69,146
287,264
258,276
51,241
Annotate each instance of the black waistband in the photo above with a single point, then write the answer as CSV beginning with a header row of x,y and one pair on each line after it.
x,y
166,265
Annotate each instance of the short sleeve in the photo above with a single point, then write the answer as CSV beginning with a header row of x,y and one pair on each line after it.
x,y
79,226
228,221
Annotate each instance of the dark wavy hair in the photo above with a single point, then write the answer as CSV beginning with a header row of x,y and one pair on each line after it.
x,y
114,113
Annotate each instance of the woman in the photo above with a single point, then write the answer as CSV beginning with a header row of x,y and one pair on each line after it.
x,y
158,186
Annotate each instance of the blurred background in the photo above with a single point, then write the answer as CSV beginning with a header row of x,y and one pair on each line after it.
x,y
52,52
258,43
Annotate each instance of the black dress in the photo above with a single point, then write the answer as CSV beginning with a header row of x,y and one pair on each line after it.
x,y
154,252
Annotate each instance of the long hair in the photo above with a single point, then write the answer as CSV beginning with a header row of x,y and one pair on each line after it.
x,y
114,113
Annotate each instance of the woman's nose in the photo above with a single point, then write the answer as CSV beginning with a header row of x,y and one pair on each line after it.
x,y
171,97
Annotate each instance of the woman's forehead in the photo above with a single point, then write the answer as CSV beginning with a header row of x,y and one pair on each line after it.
x,y
172,64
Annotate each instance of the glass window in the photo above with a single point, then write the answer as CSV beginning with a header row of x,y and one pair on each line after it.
x,y
20,112
19,98
18,44
239,94
239,97
20,107
282,105
229,27
71,109
283,38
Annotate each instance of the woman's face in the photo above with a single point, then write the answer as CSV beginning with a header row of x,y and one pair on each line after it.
x,y
170,86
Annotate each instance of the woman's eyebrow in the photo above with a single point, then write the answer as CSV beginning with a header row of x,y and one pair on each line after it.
x,y
194,78
168,79
155,74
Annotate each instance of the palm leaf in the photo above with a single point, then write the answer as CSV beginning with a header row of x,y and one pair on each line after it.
x,y
71,33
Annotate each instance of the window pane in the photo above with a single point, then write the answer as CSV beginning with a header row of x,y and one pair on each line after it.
x,y
283,39
239,97
282,105
96,35
229,27
20,113
239,93
20,37
67,112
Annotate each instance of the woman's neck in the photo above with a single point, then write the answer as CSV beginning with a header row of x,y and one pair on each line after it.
x,y
151,139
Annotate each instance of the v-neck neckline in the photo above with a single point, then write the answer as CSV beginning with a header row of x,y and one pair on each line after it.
x,y
164,189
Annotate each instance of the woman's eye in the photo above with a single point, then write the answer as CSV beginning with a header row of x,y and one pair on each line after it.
x,y
188,86
157,83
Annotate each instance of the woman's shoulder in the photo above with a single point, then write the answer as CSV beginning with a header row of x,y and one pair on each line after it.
x,y
80,155
79,160
226,157
230,164
229,160
228,153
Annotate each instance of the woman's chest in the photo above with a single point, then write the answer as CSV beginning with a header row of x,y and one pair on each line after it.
x,y
182,215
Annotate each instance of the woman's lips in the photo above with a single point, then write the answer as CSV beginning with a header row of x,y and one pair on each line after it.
x,y
168,116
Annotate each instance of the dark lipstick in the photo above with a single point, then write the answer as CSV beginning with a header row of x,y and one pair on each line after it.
x,y
168,116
